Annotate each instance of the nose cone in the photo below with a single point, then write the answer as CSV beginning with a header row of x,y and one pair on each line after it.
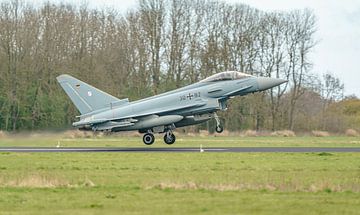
x,y
265,83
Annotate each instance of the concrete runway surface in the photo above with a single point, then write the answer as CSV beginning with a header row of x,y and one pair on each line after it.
x,y
179,149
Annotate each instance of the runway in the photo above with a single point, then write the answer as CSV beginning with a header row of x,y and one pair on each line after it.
x,y
178,149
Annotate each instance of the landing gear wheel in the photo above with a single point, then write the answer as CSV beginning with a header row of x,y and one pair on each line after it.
x,y
169,139
148,139
219,129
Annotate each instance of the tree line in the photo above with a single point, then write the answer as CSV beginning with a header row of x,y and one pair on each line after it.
x,y
158,46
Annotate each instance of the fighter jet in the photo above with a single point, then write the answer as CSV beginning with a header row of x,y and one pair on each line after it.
x,y
189,105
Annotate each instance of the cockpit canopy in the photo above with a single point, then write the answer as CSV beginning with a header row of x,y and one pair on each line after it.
x,y
224,76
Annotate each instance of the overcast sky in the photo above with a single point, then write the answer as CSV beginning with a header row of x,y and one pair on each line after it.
x,y
338,50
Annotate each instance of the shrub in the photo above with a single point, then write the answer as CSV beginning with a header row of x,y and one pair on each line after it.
x,y
203,133
72,134
250,133
2,134
283,133
190,134
131,134
99,134
320,133
351,133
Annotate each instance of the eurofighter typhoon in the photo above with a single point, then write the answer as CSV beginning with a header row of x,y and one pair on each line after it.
x,y
189,105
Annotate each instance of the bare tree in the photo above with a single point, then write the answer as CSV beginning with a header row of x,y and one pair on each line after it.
x,y
300,42
158,46
10,18
177,41
152,17
273,61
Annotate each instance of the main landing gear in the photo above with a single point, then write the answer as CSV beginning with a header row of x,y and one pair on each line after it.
x,y
148,138
219,128
169,138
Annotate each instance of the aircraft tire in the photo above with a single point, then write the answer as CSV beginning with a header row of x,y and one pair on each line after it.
x,y
148,139
170,140
219,129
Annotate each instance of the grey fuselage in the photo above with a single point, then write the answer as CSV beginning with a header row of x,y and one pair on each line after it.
x,y
185,106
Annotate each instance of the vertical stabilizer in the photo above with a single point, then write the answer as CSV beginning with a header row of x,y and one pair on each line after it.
x,y
85,97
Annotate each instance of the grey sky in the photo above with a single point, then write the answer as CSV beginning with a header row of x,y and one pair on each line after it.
x,y
338,50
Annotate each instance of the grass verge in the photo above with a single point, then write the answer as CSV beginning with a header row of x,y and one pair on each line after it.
x,y
178,183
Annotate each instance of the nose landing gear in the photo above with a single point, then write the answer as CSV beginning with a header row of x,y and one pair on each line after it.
x,y
219,128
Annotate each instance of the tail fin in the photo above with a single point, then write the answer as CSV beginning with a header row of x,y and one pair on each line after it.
x,y
85,97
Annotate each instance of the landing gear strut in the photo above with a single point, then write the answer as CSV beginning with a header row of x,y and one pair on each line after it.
x,y
148,138
219,128
169,137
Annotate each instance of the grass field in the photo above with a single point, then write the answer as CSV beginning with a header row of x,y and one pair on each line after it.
x,y
181,183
